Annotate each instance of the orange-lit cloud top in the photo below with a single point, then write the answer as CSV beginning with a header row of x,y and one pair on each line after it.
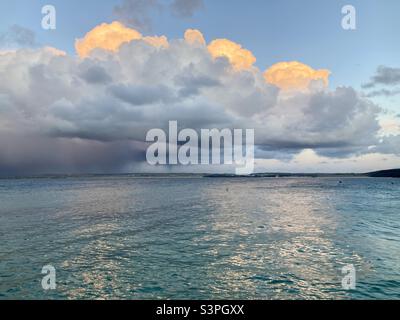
x,y
111,37
55,51
239,57
155,41
194,36
294,75
105,36
285,75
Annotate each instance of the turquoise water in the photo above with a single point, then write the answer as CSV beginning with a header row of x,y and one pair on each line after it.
x,y
200,238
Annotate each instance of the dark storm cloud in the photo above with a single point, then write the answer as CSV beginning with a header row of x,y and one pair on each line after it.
x,y
24,155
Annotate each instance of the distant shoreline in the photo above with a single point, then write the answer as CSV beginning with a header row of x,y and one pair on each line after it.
x,y
394,173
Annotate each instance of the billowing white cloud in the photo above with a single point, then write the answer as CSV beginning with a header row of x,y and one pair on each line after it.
x,y
295,75
240,58
111,36
194,37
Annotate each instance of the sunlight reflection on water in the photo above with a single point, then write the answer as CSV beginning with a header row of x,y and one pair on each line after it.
x,y
113,237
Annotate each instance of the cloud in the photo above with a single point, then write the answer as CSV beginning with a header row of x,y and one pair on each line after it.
x,y
309,161
136,13
193,36
16,37
383,92
384,75
77,113
111,36
239,57
105,36
388,145
333,123
386,78
26,155
95,74
295,75
186,8
139,95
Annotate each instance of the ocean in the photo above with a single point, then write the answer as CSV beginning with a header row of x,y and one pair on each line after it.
x,y
132,237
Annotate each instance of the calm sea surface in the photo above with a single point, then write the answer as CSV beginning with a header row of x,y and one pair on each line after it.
x,y
200,238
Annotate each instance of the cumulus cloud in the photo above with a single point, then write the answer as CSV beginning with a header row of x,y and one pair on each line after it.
x,y
239,57
72,113
295,75
194,37
106,36
111,36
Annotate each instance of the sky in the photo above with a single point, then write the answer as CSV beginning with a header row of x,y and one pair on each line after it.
x,y
343,116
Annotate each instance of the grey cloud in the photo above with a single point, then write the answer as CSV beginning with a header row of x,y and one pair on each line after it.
x,y
301,144
277,152
139,95
61,105
136,13
26,155
388,145
330,122
342,108
17,36
186,8
384,75
383,92
192,82
342,152
95,75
